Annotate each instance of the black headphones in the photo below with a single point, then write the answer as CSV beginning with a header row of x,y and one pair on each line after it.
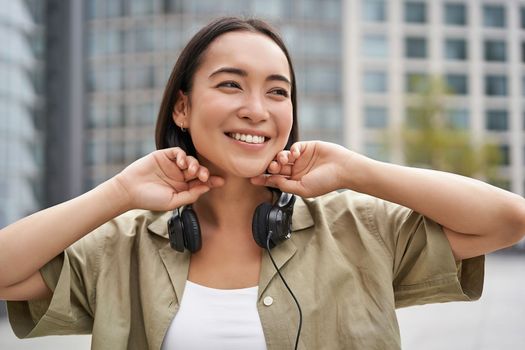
x,y
275,219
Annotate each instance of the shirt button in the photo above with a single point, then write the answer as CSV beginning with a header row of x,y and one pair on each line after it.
x,y
268,301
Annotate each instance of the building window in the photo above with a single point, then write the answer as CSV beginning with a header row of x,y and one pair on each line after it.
x,y
375,82
139,7
96,153
97,116
456,49
140,39
139,76
494,16
458,83
140,114
108,78
415,12
523,52
173,6
415,48
115,115
522,17
455,14
97,9
458,118
322,80
505,154
323,43
307,8
116,151
495,51
374,10
375,117
115,8
497,120
375,46
496,85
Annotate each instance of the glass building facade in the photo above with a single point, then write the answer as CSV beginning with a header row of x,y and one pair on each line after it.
x,y
391,48
21,105
372,52
132,46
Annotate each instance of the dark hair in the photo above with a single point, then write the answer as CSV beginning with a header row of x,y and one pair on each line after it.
x,y
167,134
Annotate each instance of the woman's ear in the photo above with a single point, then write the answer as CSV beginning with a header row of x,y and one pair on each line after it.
x,y
180,110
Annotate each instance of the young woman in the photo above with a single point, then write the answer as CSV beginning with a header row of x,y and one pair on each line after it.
x,y
226,133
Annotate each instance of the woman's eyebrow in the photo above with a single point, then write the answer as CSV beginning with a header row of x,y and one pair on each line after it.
x,y
230,70
243,73
278,77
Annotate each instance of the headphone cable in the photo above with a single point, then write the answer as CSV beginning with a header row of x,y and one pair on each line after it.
x,y
289,290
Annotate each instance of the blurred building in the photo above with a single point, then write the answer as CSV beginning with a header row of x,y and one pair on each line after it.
x,y
478,47
107,62
132,45
21,138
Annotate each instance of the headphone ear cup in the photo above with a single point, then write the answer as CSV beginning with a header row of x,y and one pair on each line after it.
x,y
260,225
175,232
192,231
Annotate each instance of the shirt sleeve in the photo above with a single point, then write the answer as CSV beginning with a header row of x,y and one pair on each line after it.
x,y
423,265
72,278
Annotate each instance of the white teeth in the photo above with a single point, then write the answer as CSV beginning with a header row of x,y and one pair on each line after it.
x,y
247,138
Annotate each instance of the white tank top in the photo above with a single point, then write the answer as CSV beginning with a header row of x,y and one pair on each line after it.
x,y
210,318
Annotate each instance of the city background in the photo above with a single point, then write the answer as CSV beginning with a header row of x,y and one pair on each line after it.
x,y
435,83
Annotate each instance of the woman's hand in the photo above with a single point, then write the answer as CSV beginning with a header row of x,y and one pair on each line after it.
x,y
165,179
309,169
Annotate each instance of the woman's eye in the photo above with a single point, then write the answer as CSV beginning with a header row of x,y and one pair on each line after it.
x,y
229,84
281,92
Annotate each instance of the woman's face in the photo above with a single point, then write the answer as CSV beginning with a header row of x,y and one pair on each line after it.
x,y
240,114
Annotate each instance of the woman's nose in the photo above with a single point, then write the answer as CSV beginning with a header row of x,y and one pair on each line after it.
x,y
254,109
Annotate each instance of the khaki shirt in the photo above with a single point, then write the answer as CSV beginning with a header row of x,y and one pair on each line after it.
x,y
351,261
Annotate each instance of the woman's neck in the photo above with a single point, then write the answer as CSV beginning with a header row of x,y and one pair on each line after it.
x,y
231,205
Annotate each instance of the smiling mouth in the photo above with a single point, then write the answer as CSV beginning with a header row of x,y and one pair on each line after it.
x,y
254,139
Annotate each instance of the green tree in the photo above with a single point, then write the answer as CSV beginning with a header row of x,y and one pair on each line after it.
x,y
430,138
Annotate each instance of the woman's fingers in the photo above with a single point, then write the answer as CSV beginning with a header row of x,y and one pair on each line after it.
x,y
212,182
285,170
283,157
177,155
284,160
215,181
297,149
195,188
193,169
279,181
194,174
203,174
193,165
190,167
274,167
189,196
282,165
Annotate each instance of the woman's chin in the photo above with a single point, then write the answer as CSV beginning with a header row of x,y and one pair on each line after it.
x,y
249,171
